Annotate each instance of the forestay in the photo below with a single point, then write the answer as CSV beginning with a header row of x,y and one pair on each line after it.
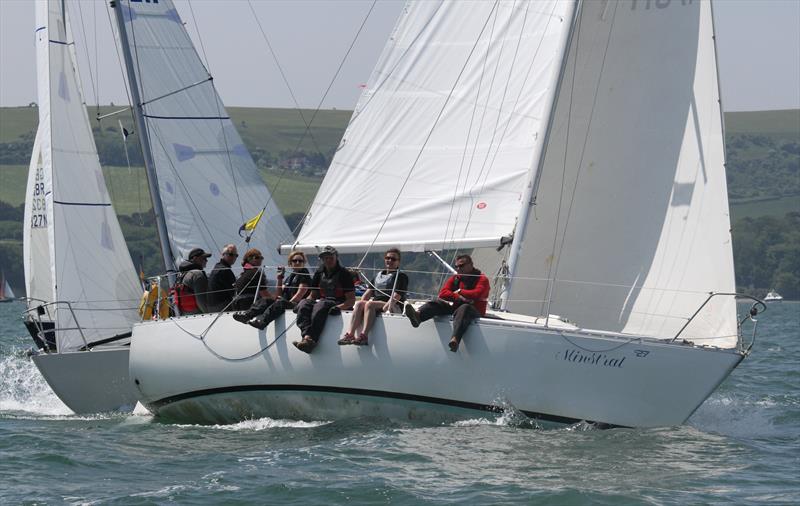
x,y
207,180
450,123
71,229
631,229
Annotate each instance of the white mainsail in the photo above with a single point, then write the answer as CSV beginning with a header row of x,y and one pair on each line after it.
x,y
440,143
632,217
208,183
71,229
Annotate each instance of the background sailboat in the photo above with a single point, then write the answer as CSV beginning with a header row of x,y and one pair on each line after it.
x,y
6,293
582,143
83,290
81,284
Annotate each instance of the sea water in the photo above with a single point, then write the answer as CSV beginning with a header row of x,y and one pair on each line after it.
x,y
742,446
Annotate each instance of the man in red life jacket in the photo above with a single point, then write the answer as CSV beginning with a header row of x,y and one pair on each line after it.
x,y
331,291
463,295
192,283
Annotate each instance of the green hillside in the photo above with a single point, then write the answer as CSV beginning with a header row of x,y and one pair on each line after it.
x,y
763,181
783,124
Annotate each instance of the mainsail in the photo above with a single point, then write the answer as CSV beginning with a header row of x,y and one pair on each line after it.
x,y
630,229
439,146
207,181
74,249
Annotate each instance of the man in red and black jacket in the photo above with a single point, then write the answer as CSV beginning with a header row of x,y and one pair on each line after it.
x,y
331,291
464,296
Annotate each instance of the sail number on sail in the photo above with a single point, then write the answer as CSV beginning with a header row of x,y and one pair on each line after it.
x,y
38,203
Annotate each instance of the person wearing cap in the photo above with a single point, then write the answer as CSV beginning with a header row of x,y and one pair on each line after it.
x,y
191,286
221,280
331,291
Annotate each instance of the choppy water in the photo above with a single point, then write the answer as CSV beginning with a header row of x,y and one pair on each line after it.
x,y
741,446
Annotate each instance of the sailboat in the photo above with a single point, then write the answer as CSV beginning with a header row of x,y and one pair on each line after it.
x,y
81,284
6,293
576,147
83,290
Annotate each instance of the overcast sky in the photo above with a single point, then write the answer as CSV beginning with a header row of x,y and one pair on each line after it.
x,y
758,42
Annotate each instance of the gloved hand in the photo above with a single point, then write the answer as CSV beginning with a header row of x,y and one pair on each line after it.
x,y
334,311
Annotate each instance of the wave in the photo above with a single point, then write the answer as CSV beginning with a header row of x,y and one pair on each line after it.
x,y
23,389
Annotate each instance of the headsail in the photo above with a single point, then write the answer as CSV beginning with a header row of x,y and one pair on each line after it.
x,y
74,248
632,217
207,180
439,146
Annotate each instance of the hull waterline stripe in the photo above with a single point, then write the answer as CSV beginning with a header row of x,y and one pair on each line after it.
x,y
81,204
150,116
357,391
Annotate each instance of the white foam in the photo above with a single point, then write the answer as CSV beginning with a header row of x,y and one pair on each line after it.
x,y
261,424
23,389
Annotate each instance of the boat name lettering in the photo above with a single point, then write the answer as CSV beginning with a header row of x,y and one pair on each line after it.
x,y
590,358
659,4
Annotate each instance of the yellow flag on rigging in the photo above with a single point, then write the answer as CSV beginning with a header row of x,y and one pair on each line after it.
x,y
247,228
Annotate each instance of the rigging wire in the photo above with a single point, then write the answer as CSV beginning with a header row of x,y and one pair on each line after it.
x,y
428,137
220,109
307,130
555,267
282,73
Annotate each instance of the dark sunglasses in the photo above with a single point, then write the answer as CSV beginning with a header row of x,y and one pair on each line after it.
x,y
297,261
232,254
391,259
461,266
257,257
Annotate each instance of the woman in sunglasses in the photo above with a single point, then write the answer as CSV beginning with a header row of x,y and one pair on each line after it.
x,y
291,290
251,281
386,293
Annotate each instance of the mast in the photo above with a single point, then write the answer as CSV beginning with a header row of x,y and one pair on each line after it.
x,y
529,196
144,140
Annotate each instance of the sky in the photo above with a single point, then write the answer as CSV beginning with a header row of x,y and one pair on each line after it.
x,y
758,43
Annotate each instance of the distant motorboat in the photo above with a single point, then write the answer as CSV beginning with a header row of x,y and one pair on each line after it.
x,y
773,296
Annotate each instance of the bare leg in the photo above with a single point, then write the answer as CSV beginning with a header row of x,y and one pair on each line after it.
x,y
370,314
356,317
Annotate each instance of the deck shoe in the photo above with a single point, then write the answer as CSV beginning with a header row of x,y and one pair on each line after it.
x,y
362,340
453,344
241,317
347,338
307,345
412,315
259,324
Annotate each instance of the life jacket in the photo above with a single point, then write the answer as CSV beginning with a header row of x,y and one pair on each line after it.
x,y
184,297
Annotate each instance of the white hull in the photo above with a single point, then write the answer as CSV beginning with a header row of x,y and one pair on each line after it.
x,y
545,373
90,381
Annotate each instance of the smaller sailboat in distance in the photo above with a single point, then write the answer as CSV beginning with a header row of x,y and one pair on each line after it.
x,y
6,293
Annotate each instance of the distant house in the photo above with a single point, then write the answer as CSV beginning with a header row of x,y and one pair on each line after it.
x,y
295,162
